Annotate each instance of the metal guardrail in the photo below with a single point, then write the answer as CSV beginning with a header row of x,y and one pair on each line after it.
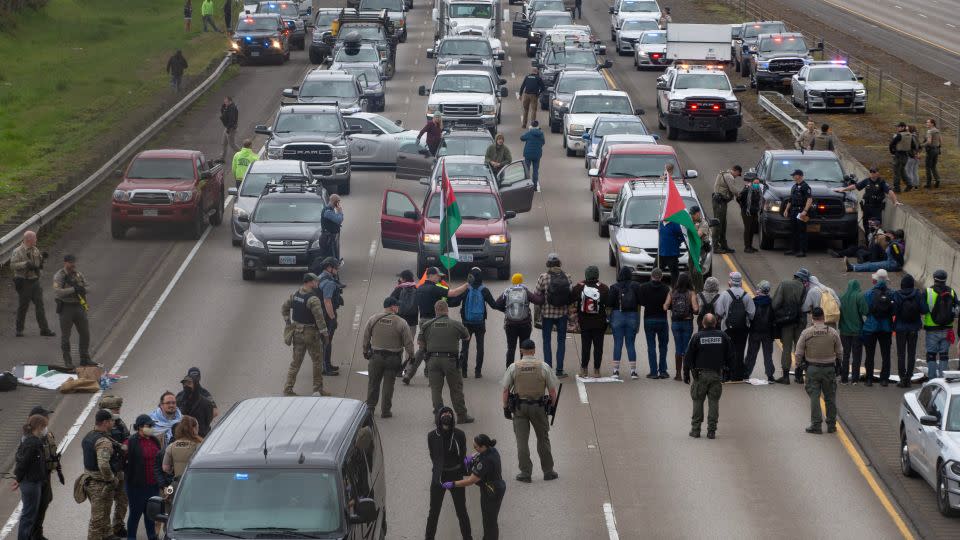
x,y
792,123
10,241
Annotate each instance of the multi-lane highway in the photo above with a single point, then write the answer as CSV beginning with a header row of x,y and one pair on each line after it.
x,y
626,464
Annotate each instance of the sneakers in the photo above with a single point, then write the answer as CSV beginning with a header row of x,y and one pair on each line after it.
x,y
771,380
634,376
616,374
561,374
663,375
783,380
583,373
831,429
596,373
386,414
847,267
406,381
651,375
48,333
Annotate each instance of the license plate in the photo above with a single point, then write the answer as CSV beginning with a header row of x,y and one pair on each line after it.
x,y
838,101
150,212
288,259
786,82
813,228
254,53
466,257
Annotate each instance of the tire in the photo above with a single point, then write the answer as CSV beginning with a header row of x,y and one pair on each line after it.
x,y
673,133
603,229
571,152
943,497
197,225
344,189
905,467
806,105
117,231
503,272
217,219
613,259
730,135
596,211
249,275
766,241
316,58
555,127
235,242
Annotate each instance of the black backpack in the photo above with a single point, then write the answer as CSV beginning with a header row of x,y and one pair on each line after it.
x,y
737,312
881,304
408,302
8,382
558,289
942,310
706,308
910,308
628,297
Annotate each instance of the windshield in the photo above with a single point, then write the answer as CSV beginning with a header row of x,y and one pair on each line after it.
x,y
376,5
569,85
653,38
326,19
283,8
832,74
601,105
301,500
572,56
755,30
307,122
547,5
639,165
640,24
633,6
253,183
549,21
357,55
821,170
373,33
645,212
465,47
257,24
620,127
465,146
479,84
702,80
472,206
386,125
778,44
161,169
283,210
331,89
953,414
470,11
368,76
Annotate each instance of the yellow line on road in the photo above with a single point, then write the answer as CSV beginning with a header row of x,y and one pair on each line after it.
x,y
852,451
609,78
890,27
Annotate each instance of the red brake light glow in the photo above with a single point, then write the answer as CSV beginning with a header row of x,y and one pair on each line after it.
x,y
716,107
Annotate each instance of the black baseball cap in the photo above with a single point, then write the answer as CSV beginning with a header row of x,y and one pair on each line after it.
x,y
390,302
796,172
528,345
433,270
142,421
69,258
41,411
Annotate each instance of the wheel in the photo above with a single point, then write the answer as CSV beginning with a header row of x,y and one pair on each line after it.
x,y
571,152
905,467
117,231
563,140
316,58
806,105
235,242
766,240
943,496
603,229
596,211
672,133
730,135
555,127
217,218
503,272
344,189
196,226
637,65
249,275
613,259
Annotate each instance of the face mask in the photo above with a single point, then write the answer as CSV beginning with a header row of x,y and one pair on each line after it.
x,y
148,431
446,421
755,186
470,279
44,431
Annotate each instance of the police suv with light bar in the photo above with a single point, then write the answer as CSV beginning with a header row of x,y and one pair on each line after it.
x,y
698,99
828,85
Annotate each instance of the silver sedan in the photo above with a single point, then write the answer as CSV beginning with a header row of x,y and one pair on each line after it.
x,y
376,141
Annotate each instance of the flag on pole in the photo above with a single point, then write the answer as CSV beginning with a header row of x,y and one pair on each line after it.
x,y
449,222
675,211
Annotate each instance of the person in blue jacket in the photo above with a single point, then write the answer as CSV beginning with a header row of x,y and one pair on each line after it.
x,y
878,328
671,236
533,151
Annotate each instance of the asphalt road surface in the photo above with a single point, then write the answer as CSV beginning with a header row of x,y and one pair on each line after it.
x,y
626,464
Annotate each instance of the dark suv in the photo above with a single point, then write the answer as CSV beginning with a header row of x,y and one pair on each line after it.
x,y
561,57
261,37
745,41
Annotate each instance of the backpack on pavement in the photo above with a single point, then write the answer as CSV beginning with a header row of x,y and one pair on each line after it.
x,y
942,310
473,308
590,299
910,308
830,306
408,302
881,304
558,289
680,307
737,312
517,305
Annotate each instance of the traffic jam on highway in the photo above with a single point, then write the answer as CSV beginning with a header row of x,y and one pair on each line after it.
x,y
460,203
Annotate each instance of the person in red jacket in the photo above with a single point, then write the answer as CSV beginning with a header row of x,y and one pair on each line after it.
x,y
434,132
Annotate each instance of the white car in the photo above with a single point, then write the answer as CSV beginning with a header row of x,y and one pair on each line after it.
x,y
465,98
585,107
631,30
594,157
650,50
376,140
624,9
930,438
821,86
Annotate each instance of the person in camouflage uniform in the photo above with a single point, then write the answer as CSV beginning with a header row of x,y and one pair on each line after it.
x,y
26,263
119,432
305,329
101,483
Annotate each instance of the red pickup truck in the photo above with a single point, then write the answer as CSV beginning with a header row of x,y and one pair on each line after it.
x,y
169,187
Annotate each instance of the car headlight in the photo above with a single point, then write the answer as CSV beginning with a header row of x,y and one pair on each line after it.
x,y
251,241
274,152
431,109
235,45
630,249
275,43
489,109
121,195
340,152
610,198
559,104
764,65
676,104
733,105
850,207
498,239
315,244
183,196
239,212
861,92
816,93
772,206
575,129
955,467
431,238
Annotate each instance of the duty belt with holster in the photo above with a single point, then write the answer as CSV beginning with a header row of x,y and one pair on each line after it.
x,y
514,401
447,354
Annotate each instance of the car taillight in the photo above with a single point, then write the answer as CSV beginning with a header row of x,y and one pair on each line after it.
x,y
694,106
655,56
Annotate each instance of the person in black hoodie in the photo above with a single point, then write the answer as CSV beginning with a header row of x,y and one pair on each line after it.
x,y
590,296
448,451
761,333
194,373
625,319
30,472
195,404
473,314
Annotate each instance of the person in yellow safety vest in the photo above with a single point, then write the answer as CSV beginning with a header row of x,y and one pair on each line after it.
x,y
242,160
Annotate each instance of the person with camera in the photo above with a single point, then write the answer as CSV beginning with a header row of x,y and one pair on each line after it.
x,y
70,290
27,262
331,220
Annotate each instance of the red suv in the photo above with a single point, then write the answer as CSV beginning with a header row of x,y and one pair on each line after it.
x,y
169,187
623,162
486,203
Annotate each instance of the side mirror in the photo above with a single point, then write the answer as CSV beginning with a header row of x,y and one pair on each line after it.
x,y
859,77
398,122
429,53
411,214
639,112
740,88
425,181
930,420
261,129
243,218
662,86
154,510
608,64
592,173
612,11
501,55
714,222
612,220
509,214
365,511
289,93
501,82
503,91
691,173
750,176
801,78
232,191
422,90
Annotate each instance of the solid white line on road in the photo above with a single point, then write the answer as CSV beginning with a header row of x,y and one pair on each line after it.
x,y
85,413
546,233
373,248
416,61
898,7
611,521
509,59
582,391
406,100
513,75
922,15
356,317
411,78
951,26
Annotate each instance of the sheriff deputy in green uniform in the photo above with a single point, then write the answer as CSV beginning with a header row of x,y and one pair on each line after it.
x,y
709,354
525,385
440,339
305,328
820,349
242,160
100,480
385,338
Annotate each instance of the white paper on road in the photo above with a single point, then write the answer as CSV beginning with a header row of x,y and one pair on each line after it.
x,y
599,379
367,373
757,382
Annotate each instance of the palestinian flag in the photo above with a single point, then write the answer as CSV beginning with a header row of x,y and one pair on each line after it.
x,y
675,211
449,222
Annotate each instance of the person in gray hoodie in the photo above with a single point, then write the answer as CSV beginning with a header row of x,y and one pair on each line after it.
x,y
736,320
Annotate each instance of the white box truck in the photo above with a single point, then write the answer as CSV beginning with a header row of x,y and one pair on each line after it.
x,y
699,42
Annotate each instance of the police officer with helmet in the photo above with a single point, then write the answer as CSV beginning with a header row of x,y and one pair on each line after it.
x,y
526,385
385,338
819,352
709,354
100,467
797,211
305,329
119,433
875,190
440,340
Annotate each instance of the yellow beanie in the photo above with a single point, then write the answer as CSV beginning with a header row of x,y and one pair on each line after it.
x,y
517,279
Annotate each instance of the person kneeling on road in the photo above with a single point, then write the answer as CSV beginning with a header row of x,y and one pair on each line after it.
x,y
819,351
709,355
385,338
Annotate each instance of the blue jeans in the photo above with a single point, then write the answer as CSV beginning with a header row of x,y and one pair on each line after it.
x,y
30,495
533,167
656,330
625,326
937,352
888,264
682,330
548,325
137,500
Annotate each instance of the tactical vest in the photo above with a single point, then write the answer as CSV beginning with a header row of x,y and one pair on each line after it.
x,y
819,348
181,452
528,379
821,142
904,144
300,312
873,195
89,446
337,294
798,196
328,225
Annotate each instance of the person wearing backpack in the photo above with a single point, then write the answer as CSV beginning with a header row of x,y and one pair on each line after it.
x,y
761,333
821,296
878,327
853,309
735,307
405,294
554,286
682,305
786,303
938,323
515,302
590,296
624,302
894,257
473,314
708,300
909,310
653,295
